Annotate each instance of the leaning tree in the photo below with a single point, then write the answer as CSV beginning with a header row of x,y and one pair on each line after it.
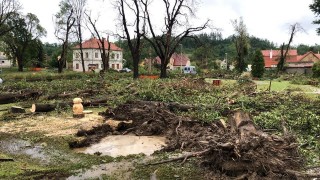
x,y
284,49
176,27
64,21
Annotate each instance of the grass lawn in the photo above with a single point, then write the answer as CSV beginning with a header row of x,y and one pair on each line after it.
x,y
275,85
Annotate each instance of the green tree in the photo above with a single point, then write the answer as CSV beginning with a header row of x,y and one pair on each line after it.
x,y
257,64
315,8
19,40
8,10
241,41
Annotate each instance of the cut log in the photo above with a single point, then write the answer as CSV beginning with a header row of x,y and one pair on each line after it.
x,y
48,107
11,98
17,109
95,102
6,159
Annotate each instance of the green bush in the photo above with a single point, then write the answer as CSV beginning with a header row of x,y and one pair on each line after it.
x,y
316,69
257,65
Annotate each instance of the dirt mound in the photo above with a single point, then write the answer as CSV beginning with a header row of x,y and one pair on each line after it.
x,y
235,149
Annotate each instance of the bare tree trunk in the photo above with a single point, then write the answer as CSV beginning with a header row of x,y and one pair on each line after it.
x,y
139,31
81,49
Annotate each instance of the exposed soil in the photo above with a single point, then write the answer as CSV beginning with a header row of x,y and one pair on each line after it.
x,y
51,126
221,149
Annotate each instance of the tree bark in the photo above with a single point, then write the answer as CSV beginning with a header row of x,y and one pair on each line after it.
x,y
48,107
17,109
11,98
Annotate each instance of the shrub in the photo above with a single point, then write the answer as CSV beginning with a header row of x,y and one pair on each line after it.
x,y
316,69
257,64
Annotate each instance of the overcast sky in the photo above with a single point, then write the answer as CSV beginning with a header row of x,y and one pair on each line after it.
x,y
266,19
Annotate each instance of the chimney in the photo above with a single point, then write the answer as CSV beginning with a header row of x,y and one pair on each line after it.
x,y
271,54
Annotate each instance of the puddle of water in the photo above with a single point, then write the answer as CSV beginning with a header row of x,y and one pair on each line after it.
x,y
124,145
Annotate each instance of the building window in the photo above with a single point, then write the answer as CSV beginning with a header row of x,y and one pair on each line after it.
x,y
87,55
77,55
77,66
118,66
117,56
112,66
112,56
96,55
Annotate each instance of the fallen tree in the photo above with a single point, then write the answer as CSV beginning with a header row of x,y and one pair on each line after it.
x,y
11,98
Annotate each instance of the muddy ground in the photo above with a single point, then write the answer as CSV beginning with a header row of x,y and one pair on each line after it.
x,y
41,144
217,148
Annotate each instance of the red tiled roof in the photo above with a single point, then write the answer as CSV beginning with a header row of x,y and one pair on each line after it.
x,y
178,59
271,57
94,43
276,53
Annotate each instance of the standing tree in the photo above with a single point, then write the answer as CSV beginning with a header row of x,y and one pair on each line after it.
x,y
105,55
257,64
241,41
176,28
64,21
18,40
294,28
8,10
138,27
79,8
315,8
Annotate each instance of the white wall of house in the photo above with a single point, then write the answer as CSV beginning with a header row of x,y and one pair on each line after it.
x,y
4,61
92,59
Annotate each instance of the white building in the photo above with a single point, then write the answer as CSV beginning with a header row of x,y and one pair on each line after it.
x,y
92,56
4,61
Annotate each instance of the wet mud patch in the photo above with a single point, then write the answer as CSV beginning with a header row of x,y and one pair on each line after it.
x,y
223,148
18,147
115,169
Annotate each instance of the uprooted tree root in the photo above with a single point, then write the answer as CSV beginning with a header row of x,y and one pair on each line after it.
x,y
235,150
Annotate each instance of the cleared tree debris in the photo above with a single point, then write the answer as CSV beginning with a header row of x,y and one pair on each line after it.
x,y
235,149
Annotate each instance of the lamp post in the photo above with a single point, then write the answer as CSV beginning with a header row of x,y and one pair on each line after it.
x,y
227,61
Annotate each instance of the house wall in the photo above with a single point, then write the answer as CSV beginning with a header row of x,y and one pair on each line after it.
x,y
5,63
299,70
92,59
310,57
